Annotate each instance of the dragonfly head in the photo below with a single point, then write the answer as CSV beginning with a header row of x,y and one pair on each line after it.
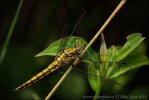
x,y
79,48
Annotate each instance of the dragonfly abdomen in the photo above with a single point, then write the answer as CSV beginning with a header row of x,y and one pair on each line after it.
x,y
52,67
65,58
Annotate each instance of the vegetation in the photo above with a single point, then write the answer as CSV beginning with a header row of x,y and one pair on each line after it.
x,y
118,71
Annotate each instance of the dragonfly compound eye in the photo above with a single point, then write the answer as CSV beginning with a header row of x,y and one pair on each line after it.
x,y
79,48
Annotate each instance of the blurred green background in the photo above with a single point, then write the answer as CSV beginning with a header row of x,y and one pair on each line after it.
x,y
41,22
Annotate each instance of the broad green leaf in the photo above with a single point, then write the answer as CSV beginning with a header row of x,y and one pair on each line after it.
x,y
133,41
53,48
125,54
132,62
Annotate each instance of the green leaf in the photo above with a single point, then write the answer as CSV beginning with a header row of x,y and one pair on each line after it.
x,y
53,48
132,62
133,41
125,54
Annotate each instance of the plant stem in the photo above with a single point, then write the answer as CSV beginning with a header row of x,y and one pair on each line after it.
x,y
86,48
99,86
11,29
96,95
97,92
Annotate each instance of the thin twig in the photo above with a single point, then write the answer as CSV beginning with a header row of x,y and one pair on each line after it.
x,y
4,48
86,48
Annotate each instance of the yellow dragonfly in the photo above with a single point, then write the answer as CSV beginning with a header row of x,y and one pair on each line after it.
x,y
65,57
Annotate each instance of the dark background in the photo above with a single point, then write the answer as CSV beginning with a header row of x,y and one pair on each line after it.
x,y
41,22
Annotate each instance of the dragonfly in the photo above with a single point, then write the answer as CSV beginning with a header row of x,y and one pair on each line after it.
x,y
64,58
